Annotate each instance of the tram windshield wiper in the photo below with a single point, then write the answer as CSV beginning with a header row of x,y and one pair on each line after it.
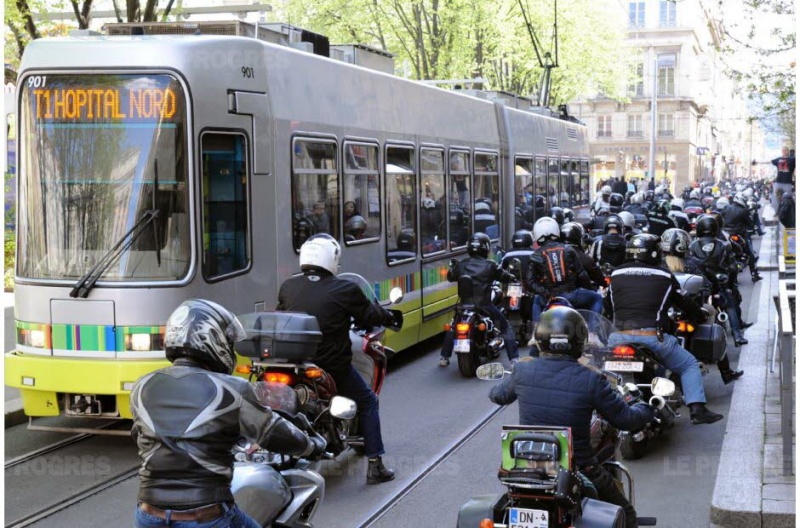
x,y
87,282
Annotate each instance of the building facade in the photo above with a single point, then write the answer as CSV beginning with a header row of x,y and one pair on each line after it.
x,y
701,128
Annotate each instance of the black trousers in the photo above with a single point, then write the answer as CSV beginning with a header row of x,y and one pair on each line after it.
x,y
607,491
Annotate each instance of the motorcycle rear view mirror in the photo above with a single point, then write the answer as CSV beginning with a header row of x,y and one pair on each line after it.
x,y
662,387
395,295
343,408
491,371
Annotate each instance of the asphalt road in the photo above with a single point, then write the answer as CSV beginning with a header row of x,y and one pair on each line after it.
x,y
426,412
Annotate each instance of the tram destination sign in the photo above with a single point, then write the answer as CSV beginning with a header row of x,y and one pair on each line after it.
x,y
107,102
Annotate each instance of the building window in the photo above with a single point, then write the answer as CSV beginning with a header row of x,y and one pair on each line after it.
x,y
666,125
361,214
635,125
401,204
666,74
315,189
636,14
225,207
666,17
604,126
636,85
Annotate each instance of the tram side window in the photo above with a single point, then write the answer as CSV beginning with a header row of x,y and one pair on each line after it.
x,y
487,195
459,209
401,204
523,192
315,189
361,213
225,204
432,228
553,171
540,200
575,183
584,183
565,184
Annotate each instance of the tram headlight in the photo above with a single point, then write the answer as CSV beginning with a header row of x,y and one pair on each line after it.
x,y
140,342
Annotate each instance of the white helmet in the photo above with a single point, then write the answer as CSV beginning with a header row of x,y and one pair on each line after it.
x,y
545,228
695,194
722,203
637,198
678,204
606,190
320,251
749,193
740,199
628,220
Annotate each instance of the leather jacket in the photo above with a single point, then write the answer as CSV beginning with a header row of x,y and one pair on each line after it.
x,y
737,219
483,273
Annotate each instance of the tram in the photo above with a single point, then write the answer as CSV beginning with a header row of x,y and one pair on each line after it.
x,y
153,169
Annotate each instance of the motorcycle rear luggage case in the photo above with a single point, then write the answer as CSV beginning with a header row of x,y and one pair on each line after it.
x,y
482,507
280,335
709,343
598,514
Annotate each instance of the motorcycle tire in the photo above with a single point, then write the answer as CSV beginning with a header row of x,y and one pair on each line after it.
x,y
631,450
467,364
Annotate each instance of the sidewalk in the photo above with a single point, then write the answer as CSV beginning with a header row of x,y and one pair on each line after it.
x,y
751,490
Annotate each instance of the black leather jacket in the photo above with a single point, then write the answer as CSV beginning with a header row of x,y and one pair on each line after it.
x,y
714,255
549,274
659,223
186,420
608,249
483,273
334,302
737,219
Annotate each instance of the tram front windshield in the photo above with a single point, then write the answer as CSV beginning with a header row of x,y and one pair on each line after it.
x,y
98,153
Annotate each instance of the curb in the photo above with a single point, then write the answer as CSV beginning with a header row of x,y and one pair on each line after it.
x,y
737,497
14,414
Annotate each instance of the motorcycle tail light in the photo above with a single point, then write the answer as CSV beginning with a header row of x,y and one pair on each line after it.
x,y
608,281
448,327
314,373
482,327
278,377
684,326
486,523
735,238
462,328
624,350
243,369
513,303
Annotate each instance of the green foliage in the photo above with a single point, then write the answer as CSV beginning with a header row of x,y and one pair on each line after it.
x,y
10,249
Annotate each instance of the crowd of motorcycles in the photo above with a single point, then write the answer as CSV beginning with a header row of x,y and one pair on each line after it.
x,y
543,487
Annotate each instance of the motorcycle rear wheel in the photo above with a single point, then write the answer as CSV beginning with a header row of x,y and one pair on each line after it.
x,y
467,364
632,450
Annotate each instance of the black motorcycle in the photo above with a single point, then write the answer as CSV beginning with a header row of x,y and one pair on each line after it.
x,y
477,340
517,302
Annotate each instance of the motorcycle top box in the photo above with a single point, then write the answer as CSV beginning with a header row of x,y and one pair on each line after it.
x,y
709,343
280,335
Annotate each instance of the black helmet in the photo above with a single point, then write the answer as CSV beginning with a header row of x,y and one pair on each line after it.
x,y
572,233
616,202
478,245
457,216
569,216
644,248
649,195
613,222
355,226
628,196
523,239
205,332
561,330
675,242
406,241
557,213
707,225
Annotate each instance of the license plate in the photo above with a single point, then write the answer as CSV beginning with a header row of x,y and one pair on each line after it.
x,y
461,346
624,366
525,518
514,290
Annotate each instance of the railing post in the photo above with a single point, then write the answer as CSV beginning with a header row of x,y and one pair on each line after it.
x,y
786,382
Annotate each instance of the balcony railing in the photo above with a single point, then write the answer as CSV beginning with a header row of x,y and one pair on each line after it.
x,y
635,133
666,133
603,133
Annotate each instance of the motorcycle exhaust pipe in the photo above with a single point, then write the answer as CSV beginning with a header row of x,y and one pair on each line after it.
x,y
722,317
658,402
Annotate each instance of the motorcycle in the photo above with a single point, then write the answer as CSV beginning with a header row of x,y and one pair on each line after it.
x,y
637,365
517,301
544,488
279,356
281,490
706,342
477,340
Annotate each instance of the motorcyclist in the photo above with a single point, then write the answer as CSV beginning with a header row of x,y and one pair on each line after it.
x,y
187,417
602,200
694,199
557,390
557,214
609,248
599,219
680,218
483,273
675,246
715,257
572,233
615,202
640,293
659,219
555,270
752,203
737,222
629,224
335,303
635,207
521,249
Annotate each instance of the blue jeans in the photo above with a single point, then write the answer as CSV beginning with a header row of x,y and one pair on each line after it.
x,y
232,518
580,299
502,324
673,356
350,384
